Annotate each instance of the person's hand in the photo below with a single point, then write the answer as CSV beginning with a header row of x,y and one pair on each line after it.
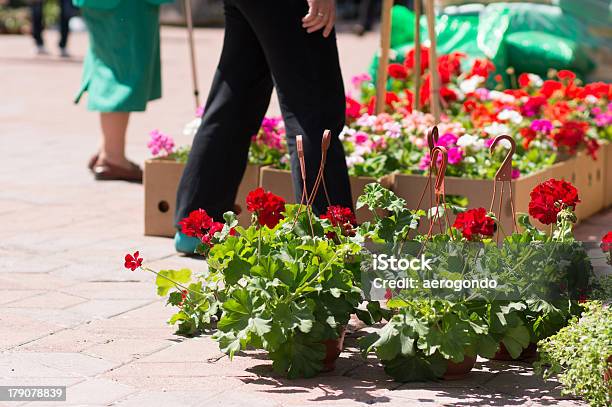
x,y
321,14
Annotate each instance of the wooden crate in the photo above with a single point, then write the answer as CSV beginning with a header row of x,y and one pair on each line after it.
x,y
161,179
280,183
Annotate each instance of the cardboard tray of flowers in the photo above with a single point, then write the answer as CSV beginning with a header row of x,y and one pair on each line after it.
x,y
581,170
161,179
279,182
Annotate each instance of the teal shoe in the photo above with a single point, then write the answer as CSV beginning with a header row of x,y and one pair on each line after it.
x,y
185,244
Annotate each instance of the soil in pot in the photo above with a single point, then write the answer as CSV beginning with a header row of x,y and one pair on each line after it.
x,y
528,354
455,371
333,348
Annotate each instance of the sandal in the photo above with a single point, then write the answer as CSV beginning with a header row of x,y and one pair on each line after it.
x,y
111,172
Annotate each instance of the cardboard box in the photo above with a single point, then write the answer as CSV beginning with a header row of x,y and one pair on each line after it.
x,y
587,175
477,192
280,183
161,179
606,155
582,171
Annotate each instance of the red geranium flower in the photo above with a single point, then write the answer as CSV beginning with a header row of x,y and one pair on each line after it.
x,y
353,108
475,223
342,217
533,106
524,80
409,61
597,89
133,261
549,87
550,197
196,224
528,135
449,65
397,71
482,67
564,74
391,99
570,135
214,228
266,205
606,242
448,94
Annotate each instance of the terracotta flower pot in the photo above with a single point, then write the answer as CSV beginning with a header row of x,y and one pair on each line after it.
x,y
333,348
529,353
455,371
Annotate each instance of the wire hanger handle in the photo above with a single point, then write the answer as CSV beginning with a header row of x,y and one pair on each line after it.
x,y
504,173
432,137
441,169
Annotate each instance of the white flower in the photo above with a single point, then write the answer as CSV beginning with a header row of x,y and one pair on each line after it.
x,y
472,142
591,99
366,120
501,96
346,132
192,127
496,129
393,129
535,80
469,85
353,159
509,114
469,160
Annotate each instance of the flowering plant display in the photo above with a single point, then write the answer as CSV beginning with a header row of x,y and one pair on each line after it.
x,y
541,278
551,119
268,145
287,284
162,146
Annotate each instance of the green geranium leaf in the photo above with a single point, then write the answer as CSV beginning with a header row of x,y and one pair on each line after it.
x,y
516,339
166,279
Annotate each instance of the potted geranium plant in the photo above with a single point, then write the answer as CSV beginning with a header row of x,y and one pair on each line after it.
x,y
287,284
430,335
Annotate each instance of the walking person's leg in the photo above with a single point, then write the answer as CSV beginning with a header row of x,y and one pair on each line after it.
x,y
37,26
238,100
309,84
65,15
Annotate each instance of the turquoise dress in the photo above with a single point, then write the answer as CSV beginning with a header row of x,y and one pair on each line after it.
x,y
122,68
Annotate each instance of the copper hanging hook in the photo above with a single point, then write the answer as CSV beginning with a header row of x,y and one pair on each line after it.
x,y
441,169
299,143
300,152
438,186
432,138
325,143
504,173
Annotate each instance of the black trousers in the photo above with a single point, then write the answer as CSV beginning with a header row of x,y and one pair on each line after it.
x,y
66,12
265,46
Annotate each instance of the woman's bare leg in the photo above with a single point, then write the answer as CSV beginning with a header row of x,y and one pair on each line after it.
x,y
114,128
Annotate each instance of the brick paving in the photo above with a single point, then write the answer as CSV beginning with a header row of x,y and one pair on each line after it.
x,y
71,316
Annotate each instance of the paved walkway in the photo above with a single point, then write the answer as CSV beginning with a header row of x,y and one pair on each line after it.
x,y
70,315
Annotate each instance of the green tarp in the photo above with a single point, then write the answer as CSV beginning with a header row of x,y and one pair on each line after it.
x,y
528,37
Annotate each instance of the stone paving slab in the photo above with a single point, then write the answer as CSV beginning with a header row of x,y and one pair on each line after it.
x,y
71,315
